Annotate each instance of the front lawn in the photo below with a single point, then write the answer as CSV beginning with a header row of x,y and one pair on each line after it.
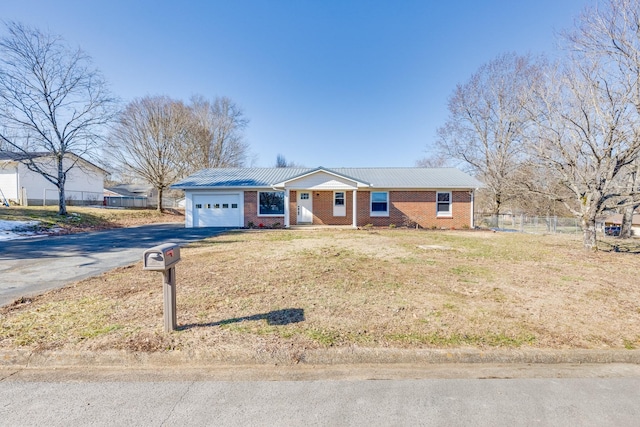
x,y
282,290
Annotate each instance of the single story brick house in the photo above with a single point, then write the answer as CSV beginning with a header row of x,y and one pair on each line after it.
x,y
240,197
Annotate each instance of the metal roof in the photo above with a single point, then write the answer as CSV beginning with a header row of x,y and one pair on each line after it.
x,y
396,178
12,156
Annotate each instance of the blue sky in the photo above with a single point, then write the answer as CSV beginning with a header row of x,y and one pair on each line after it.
x,y
325,83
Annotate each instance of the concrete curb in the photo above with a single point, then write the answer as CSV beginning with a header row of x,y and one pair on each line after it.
x,y
331,357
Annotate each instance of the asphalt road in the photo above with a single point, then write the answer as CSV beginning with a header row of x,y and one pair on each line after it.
x,y
426,401
31,266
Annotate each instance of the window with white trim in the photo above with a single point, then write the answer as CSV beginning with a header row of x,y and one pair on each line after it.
x,y
379,203
339,207
270,203
443,203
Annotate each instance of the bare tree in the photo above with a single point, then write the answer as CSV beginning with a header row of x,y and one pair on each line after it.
x,y
610,32
281,162
437,160
585,139
149,137
217,135
488,117
52,102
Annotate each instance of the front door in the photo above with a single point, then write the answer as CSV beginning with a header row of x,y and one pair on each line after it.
x,y
305,208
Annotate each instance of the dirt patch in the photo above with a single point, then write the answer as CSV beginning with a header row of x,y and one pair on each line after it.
x,y
282,292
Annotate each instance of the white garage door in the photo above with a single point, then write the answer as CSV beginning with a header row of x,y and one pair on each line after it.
x,y
217,210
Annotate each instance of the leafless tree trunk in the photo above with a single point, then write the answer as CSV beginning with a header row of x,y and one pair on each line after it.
x,y
148,139
51,101
633,185
488,117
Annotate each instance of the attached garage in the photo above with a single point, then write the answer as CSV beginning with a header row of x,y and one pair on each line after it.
x,y
217,210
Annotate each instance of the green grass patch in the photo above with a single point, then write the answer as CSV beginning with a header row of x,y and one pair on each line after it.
x,y
441,339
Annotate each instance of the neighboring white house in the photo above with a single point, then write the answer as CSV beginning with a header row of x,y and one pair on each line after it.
x,y
84,185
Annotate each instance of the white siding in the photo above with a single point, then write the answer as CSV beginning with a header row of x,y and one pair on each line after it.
x,y
9,181
321,181
83,183
208,216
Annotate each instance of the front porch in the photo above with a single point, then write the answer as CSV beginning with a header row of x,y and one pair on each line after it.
x,y
303,207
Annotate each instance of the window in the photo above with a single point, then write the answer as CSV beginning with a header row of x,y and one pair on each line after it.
x,y
198,205
216,206
270,203
304,196
234,206
225,206
339,207
443,204
379,203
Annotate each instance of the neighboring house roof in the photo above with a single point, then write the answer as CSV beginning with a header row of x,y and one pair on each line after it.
x,y
120,192
617,219
396,178
11,156
131,189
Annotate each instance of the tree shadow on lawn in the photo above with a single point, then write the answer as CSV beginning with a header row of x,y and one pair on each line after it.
x,y
274,318
629,246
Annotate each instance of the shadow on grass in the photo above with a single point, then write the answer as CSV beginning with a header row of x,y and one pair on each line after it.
x,y
275,318
629,246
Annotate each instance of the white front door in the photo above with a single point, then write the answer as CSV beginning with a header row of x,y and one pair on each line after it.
x,y
305,208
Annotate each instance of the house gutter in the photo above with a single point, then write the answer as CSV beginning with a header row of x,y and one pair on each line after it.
x,y
472,193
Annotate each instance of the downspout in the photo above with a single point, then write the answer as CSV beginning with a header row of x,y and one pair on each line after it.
x,y
18,192
472,193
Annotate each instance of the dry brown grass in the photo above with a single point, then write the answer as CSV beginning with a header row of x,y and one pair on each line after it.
x,y
80,219
288,291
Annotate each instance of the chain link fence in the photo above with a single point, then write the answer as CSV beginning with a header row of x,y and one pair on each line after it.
x,y
529,224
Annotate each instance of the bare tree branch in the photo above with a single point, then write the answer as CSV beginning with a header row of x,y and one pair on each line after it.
x,y
51,101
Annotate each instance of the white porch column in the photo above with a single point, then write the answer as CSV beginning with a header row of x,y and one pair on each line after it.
x,y
286,208
355,208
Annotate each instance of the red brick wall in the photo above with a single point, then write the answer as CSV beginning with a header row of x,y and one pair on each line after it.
x,y
406,208
293,205
410,207
323,209
251,212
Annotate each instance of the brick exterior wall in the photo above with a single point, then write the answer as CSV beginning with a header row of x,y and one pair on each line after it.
x,y
406,208
323,209
410,207
251,212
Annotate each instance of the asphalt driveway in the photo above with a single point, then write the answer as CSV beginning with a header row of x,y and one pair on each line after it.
x,y
31,266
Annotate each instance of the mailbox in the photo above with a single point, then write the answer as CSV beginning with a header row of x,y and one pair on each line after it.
x,y
161,257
